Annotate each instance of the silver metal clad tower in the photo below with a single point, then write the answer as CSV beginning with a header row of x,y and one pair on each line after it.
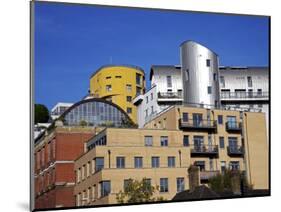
x,y
199,74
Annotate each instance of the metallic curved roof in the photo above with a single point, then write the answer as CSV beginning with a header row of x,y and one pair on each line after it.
x,y
191,41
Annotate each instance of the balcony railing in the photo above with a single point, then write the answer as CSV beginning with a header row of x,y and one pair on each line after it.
x,y
198,124
233,126
244,95
204,150
169,95
235,150
206,175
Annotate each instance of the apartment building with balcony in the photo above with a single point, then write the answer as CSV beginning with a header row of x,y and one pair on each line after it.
x,y
245,87
211,139
166,90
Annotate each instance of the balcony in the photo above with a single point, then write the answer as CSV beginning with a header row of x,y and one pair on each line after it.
x,y
170,96
206,175
235,151
209,125
244,96
204,150
233,126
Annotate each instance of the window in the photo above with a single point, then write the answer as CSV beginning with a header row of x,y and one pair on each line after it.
x,y
138,162
250,93
208,62
88,169
231,121
129,99
185,140
164,140
259,92
129,110
200,164
215,77
164,185
138,79
146,99
209,89
211,163
151,96
171,161
155,162
197,119
147,181
260,105
180,184
126,183
129,87
118,77
108,88
93,192
233,143
185,117
148,141
99,164
83,172
221,140
220,119
234,165
169,81
146,112
105,188
187,74
120,162
250,83
78,175
222,81
152,110
138,91
223,167
108,77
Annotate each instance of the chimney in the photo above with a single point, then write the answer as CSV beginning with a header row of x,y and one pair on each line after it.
x,y
193,176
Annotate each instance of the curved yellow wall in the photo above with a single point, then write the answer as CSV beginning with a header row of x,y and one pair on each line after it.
x,y
118,77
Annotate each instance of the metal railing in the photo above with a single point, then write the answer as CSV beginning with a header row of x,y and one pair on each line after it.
x,y
233,125
194,123
169,95
204,149
243,95
206,175
235,150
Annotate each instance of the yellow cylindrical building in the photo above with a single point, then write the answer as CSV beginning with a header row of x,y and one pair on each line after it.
x,y
119,84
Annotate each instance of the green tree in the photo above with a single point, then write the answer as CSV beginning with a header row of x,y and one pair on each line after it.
x,y
41,114
138,191
222,182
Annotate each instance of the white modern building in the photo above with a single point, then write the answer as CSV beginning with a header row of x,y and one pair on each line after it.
x,y
166,90
245,88
199,81
59,109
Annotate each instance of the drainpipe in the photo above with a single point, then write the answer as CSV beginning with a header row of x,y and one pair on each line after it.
x,y
180,157
109,152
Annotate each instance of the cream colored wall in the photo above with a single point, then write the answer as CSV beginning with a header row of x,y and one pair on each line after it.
x,y
256,149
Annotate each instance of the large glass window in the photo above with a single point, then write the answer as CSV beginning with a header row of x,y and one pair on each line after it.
x,y
138,162
180,184
171,161
231,121
197,119
120,162
220,119
222,81
221,139
95,113
155,162
105,188
99,164
164,185
185,117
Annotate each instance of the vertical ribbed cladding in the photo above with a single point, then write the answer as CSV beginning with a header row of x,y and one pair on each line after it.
x,y
197,76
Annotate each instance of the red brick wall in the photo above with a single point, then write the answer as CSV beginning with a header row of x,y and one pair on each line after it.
x,y
64,147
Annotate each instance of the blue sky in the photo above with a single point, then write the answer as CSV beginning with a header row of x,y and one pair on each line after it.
x,y
72,41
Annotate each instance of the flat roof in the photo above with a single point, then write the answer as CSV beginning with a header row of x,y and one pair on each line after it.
x,y
117,65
